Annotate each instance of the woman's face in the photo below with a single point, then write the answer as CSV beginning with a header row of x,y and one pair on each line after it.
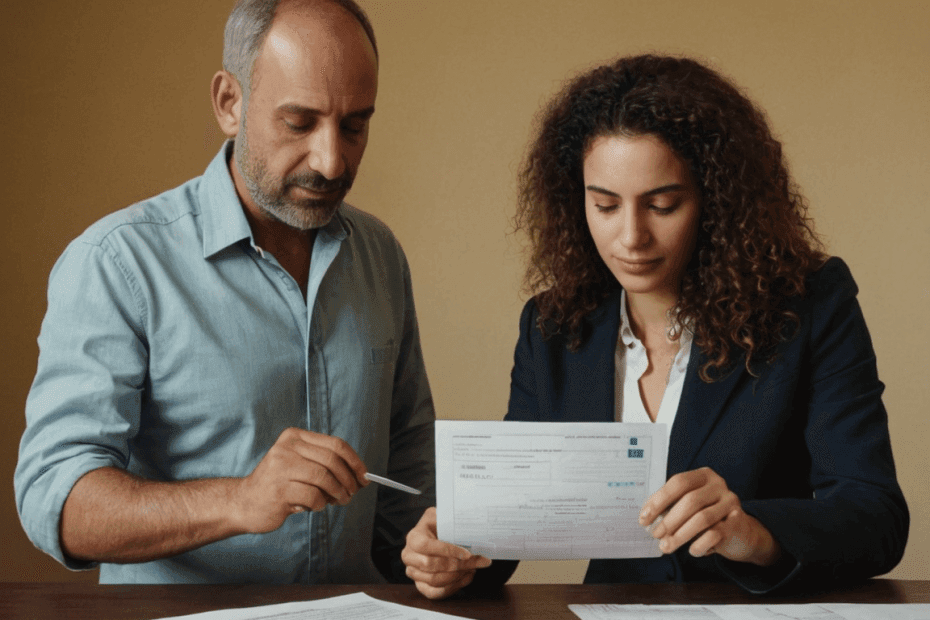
x,y
642,210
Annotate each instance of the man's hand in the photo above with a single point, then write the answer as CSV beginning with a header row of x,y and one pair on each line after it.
x,y
698,505
114,516
303,470
438,568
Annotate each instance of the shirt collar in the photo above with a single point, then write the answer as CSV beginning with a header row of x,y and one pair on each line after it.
x,y
338,227
224,223
626,331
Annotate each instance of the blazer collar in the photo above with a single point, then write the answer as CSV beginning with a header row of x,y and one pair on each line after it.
x,y
701,403
608,310
700,408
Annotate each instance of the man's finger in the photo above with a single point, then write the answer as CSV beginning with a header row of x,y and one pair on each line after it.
x,y
310,474
326,460
331,452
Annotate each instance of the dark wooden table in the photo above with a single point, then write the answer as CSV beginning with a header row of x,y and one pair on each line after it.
x,y
38,601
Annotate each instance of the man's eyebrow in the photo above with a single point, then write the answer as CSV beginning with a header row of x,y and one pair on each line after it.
x,y
672,187
295,108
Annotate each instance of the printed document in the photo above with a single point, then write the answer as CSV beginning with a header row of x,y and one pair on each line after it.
x,y
358,606
548,491
810,611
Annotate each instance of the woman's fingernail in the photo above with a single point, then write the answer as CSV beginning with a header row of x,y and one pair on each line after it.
x,y
653,527
702,555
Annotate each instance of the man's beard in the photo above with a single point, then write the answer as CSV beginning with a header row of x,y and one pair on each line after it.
x,y
270,194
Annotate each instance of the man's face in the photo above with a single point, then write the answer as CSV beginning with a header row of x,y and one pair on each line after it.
x,y
303,133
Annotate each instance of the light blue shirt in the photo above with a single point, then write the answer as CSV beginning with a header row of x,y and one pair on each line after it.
x,y
176,349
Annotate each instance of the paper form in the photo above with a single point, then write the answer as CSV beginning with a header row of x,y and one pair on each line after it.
x,y
642,612
548,491
811,611
888,611
358,606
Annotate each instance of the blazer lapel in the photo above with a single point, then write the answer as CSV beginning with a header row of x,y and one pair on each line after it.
x,y
599,357
701,403
701,406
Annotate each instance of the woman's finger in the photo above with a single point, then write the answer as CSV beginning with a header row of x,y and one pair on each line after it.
x,y
694,524
432,592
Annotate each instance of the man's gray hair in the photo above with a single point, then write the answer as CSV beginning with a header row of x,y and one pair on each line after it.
x,y
248,25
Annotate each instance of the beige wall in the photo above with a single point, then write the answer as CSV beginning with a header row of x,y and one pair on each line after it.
x,y
106,102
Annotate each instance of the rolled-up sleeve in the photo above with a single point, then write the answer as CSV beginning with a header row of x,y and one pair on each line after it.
x,y
84,404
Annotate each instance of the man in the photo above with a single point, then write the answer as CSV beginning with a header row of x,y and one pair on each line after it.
x,y
220,365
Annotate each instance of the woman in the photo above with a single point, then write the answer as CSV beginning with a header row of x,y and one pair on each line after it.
x,y
678,281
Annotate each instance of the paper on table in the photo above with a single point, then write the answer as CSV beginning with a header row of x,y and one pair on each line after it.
x,y
548,491
643,612
853,611
358,606
810,611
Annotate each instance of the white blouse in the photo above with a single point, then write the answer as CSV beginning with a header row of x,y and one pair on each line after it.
x,y
631,362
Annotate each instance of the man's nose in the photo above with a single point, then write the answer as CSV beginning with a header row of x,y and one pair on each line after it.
x,y
325,154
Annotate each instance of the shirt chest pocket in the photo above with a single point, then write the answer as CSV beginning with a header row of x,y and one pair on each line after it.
x,y
384,354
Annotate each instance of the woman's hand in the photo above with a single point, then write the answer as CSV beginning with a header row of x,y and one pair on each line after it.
x,y
698,505
438,568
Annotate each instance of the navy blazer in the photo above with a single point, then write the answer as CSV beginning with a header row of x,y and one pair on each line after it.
x,y
804,445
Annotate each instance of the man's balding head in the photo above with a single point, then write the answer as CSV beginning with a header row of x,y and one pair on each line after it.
x,y
300,115
250,21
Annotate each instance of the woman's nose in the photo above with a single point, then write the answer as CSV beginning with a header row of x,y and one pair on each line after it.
x,y
635,232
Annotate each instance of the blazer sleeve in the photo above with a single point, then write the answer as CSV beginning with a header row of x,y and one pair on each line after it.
x,y
855,525
524,401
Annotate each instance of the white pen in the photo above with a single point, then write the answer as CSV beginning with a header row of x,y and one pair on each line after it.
x,y
394,485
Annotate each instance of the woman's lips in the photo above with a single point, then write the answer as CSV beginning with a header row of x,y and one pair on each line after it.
x,y
639,266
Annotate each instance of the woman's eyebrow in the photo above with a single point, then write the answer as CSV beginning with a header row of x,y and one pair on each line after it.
x,y
601,190
673,187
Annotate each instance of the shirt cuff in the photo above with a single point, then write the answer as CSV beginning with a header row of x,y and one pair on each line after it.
x,y
42,507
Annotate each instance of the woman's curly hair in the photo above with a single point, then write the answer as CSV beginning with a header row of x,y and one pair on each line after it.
x,y
755,243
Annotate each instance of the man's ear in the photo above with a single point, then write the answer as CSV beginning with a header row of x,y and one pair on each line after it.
x,y
226,96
